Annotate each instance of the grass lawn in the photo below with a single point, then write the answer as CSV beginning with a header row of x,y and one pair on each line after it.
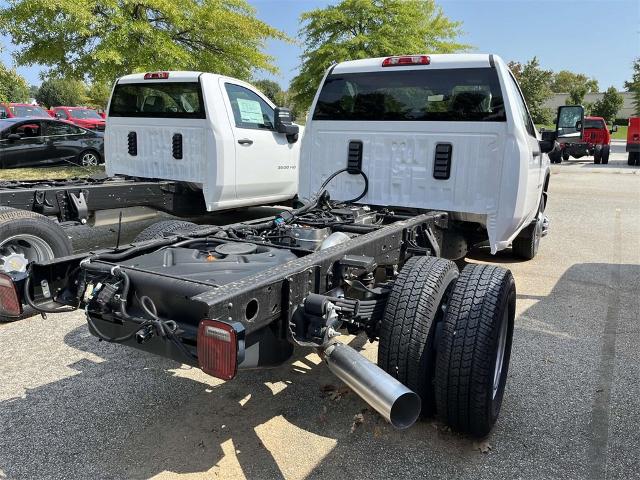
x,y
49,173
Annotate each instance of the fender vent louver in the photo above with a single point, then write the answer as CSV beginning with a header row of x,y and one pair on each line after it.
x,y
442,161
354,157
176,146
132,143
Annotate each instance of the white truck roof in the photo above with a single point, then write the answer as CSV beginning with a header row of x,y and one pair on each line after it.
x,y
174,76
456,60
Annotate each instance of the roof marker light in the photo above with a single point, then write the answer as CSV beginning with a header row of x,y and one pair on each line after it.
x,y
407,60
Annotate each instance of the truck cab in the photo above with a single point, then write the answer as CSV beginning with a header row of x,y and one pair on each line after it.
x,y
445,132
214,133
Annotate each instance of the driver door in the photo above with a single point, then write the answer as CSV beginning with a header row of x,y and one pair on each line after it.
x,y
29,150
265,161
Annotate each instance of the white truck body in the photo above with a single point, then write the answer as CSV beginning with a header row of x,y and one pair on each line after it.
x,y
229,147
497,170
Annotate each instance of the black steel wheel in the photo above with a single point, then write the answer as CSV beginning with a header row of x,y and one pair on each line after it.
x,y
417,303
474,349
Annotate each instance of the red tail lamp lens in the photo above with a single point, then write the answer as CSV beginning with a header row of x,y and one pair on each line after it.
x,y
406,61
156,76
218,349
10,304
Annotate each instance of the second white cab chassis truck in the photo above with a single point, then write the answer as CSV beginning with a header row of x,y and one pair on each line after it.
x,y
403,159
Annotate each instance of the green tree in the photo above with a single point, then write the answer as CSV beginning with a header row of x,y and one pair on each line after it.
x,y
607,107
535,84
13,87
356,29
103,39
633,85
58,91
576,95
565,81
98,94
271,89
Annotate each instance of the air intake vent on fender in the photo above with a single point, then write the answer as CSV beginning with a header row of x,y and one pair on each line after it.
x,y
442,161
132,143
354,158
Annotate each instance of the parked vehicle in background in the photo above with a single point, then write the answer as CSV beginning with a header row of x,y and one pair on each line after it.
x,y
633,141
22,110
596,141
81,116
219,134
29,142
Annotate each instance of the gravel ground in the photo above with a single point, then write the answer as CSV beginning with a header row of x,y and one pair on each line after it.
x,y
72,407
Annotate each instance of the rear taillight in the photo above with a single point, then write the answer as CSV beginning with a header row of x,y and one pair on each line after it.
x,y
406,61
10,305
218,347
156,76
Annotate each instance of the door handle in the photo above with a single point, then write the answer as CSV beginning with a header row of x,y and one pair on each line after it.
x,y
245,141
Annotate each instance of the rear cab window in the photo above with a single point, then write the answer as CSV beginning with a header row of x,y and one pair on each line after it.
x,y
594,123
157,100
463,94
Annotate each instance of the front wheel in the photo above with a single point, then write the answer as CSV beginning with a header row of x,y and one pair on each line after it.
x,y
474,349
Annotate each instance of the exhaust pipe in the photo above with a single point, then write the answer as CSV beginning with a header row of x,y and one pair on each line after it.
x,y
390,398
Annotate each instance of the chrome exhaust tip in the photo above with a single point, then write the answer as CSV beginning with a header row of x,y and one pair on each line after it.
x,y
399,405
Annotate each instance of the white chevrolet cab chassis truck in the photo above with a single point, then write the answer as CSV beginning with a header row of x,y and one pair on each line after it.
x,y
403,159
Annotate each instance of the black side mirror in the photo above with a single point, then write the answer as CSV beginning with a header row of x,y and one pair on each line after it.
x,y
570,121
12,137
548,142
284,124
58,115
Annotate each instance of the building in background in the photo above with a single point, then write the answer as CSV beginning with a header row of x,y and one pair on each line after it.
x,y
625,112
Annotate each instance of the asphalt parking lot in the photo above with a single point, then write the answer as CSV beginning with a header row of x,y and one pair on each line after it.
x,y
73,407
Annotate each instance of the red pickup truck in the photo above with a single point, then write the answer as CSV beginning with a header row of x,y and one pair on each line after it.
x,y
81,116
633,141
596,141
13,110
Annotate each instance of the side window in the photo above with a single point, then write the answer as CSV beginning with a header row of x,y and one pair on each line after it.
x,y
522,108
3,112
28,130
60,128
249,110
62,114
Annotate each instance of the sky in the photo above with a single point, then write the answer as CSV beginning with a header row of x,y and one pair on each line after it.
x,y
597,37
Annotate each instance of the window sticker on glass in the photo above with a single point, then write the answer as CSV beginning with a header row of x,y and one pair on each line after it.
x,y
250,111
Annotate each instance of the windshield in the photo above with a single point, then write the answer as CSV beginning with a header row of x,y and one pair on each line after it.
x,y
28,111
590,123
463,94
85,113
160,100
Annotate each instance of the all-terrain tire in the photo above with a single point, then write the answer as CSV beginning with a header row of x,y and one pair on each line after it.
x,y
633,159
15,223
597,155
470,374
158,230
605,154
406,348
565,156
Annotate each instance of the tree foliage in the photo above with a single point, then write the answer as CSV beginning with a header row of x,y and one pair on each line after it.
x,y
607,107
356,29
271,89
13,87
98,94
103,39
576,95
56,92
633,85
535,84
565,81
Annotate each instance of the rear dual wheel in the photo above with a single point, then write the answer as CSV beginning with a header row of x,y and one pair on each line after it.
x,y
448,338
633,159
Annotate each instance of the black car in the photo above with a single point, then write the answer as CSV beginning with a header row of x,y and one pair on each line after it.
x,y
29,142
